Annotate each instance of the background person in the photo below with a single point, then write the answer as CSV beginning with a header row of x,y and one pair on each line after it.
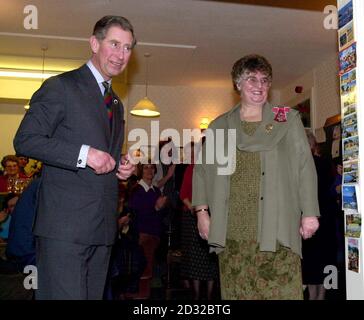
x,y
22,162
261,210
6,216
75,127
197,264
21,242
10,164
320,250
146,203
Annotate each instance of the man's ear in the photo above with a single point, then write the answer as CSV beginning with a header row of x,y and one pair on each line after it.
x,y
94,44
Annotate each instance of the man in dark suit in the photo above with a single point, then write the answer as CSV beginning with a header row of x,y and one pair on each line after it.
x,y
75,127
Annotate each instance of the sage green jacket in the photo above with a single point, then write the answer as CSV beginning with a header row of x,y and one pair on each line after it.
x,y
288,186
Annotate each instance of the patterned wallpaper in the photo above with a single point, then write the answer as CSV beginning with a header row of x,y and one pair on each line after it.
x,y
325,95
327,90
180,107
183,107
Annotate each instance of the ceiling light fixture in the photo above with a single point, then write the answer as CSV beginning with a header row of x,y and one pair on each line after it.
x,y
41,75
24,73
145,107
204,123
29,73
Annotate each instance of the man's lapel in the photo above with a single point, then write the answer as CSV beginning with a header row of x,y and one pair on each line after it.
x,y
117,119
94,101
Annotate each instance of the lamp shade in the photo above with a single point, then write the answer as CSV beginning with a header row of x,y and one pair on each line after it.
x,y
204,123
145,108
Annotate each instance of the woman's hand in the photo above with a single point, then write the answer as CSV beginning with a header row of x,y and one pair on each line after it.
x,y
123,221
203,223
160,203
309,225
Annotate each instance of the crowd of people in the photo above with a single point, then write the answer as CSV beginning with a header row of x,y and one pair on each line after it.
x,y
97,223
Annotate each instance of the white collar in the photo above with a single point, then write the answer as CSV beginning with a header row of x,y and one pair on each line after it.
x,y
145,186
99,78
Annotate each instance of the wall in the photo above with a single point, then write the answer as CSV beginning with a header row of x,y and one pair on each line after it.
x,y
355,280
10,118
180,107
325,94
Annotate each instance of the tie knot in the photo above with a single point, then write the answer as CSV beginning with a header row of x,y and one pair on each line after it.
x,y
106,86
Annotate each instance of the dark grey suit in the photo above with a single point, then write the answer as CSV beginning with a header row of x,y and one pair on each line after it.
x,y
76,206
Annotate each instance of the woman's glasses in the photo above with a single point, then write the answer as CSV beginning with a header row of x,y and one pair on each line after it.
x,y
254,81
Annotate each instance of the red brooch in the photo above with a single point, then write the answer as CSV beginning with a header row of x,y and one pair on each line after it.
x,y
281,113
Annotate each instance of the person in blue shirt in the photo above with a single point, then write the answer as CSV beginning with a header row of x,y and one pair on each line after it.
x,y
6,214
21,243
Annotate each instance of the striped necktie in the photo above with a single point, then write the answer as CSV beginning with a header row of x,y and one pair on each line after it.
x,y
108,100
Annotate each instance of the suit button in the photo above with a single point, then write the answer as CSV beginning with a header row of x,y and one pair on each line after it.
x,y
79,161
261,198
262,173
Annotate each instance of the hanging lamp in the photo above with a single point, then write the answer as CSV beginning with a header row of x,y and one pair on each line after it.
x,y
44,49
145,107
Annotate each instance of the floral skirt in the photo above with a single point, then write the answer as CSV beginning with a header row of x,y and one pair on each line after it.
x,y
249,274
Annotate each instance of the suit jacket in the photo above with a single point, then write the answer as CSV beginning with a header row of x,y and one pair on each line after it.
x,y
74,204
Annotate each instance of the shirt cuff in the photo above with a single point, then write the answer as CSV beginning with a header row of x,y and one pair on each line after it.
x,y
82,157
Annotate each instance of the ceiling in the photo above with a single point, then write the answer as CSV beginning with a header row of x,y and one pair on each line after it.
x,y
192,42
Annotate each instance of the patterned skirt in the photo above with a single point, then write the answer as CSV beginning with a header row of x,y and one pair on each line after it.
x,y
249,274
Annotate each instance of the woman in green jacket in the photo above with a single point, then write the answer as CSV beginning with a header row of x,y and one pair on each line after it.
x,y
256,194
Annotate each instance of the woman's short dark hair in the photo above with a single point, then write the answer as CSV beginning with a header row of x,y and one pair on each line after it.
x,y
141,166
11,158
104,24
250,63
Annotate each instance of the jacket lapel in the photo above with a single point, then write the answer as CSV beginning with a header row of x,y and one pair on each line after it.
x,y
118,116
94,102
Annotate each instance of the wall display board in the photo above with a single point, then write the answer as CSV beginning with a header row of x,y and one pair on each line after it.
x,y
351,75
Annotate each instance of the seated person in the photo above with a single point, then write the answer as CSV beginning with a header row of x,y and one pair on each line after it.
x,y
22,162
21,245
11,171
5,216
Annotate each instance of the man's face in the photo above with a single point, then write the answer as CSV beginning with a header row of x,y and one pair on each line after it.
x,y
23,161
111,55
11,168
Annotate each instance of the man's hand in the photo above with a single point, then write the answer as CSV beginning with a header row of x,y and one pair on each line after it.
x,y
100,161
126,168
309,225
